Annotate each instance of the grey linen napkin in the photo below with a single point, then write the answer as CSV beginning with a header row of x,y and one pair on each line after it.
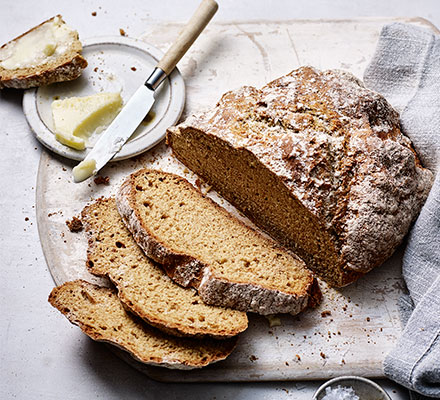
x,y
406,70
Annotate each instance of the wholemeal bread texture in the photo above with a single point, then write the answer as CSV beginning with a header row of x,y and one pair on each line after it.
x,y
48,53
101,316
201,245
316,160
143,287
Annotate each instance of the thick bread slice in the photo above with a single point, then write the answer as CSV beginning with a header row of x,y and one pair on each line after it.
x,y
143,286
201,245
64,67
101,316
316,160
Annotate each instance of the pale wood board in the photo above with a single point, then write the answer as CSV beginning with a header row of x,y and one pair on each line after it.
x,y
364,322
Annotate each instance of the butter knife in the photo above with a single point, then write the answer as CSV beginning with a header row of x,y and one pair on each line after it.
x,y
132,114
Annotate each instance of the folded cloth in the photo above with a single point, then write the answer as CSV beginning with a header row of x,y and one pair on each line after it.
x,y
406,70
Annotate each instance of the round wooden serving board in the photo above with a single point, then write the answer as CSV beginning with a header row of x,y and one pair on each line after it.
x,y
363,324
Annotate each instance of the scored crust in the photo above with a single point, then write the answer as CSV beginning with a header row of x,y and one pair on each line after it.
x,y
349,183
133,284
129,333
189,271
66,67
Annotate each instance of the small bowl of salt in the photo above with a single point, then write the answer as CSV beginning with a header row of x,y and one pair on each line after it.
x,y
350,388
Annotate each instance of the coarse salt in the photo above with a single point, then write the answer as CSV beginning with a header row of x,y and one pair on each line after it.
x,y
340,393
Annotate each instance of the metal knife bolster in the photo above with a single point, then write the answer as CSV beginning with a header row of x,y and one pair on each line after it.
x,y
155,79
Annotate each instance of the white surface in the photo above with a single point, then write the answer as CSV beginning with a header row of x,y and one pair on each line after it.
x,y
364,322
115,64
38,360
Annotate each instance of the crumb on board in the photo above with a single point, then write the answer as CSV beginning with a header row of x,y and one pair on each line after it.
x,y
95,69
121,32
298,357
274,320
101,180
74,225
326,313
253,358
322,354
94,14
133,68
198,183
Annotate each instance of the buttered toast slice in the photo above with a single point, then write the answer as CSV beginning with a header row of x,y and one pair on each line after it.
x,y
101,316
48,53
144,287
201,245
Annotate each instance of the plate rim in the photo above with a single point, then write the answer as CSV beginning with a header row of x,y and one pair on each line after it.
x,y
133,148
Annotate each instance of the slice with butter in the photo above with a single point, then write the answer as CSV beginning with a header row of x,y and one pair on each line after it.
x,y
49,52
51,39
76,119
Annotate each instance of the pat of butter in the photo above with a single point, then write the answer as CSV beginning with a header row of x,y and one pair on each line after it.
x,y
39,46
84,170
77,118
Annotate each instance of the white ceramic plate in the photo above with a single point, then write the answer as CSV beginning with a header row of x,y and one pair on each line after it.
x,y
115,64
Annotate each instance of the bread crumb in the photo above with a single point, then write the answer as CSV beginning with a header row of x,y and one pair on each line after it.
x,y
326,313
368,319
133,68
198,183
101,180
322,354
253,358
273,320
95,69
298,358
26,219
121,32
94,14
74,225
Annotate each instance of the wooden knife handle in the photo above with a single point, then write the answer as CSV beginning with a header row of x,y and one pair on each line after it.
x,y
189,34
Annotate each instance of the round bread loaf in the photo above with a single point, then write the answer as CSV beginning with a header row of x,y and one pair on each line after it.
x,y
316,160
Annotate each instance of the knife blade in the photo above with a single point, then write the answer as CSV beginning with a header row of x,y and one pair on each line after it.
x,y
132,114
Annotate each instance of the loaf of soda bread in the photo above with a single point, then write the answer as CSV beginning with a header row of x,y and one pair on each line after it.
x,y
316,160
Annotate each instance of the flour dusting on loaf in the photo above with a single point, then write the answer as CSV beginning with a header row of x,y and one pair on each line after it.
x,y
337,149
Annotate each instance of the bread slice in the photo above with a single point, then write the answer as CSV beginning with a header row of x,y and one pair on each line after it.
x,y
48,53
144,287
201,245
316,160
101,316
